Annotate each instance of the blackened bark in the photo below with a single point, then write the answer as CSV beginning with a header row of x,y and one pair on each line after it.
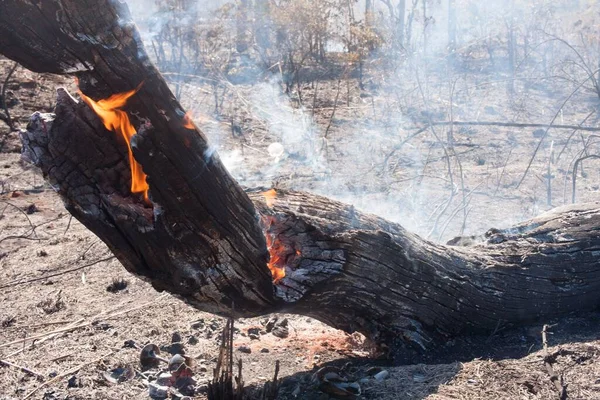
x,y
391,284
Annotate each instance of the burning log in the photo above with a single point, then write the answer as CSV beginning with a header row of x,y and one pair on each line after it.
x,y
131,166
194,216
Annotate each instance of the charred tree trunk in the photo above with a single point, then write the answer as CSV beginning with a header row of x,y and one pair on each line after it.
x,y
204,239
369,13
400,28
451,31
262,28
242,26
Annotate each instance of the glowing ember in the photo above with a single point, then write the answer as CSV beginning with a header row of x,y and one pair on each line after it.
x,y
188,123
270,197
116,120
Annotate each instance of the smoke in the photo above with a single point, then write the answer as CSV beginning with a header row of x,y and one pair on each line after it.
x,y
290,126
360,134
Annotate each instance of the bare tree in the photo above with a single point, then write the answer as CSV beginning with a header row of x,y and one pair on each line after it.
x,y
262,25
397,18
369,13
451,30
400,23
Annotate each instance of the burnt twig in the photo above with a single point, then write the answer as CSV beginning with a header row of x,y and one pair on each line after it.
x,y
549,359
24,369
69,372
271,388
13,284
575,130
221,387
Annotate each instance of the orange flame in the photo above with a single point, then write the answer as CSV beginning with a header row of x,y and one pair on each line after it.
x,y
276,260
281,254
270,196
187,119
116,120
276,252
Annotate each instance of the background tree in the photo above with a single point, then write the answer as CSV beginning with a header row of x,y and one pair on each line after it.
x,y
451,30
242,25
4,106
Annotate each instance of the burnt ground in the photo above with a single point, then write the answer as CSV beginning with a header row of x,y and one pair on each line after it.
x,y
70,313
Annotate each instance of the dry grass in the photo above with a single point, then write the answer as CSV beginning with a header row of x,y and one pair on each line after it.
x,y
526,378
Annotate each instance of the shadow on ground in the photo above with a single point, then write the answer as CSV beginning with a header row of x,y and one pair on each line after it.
x,y
415,376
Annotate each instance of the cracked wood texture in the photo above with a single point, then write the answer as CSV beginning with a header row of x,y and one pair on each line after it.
x,y
203,238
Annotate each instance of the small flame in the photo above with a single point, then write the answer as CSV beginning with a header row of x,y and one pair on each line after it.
x,y
187,119
117,120
276,252
275,249
270,196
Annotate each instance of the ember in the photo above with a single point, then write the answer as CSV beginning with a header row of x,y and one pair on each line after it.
x,y
117,120
188,123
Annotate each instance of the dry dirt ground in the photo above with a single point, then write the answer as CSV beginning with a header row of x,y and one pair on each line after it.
x,y
71,314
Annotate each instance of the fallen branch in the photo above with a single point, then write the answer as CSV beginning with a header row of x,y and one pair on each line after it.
x,y
79,324
512,125
27,236
49,336
42,324
69,372
41,278
24,369
34,338
31,225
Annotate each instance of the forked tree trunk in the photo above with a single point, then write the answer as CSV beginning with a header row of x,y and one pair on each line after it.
x,y
204,238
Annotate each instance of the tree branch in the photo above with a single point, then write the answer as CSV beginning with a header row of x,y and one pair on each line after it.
x,y
513,125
